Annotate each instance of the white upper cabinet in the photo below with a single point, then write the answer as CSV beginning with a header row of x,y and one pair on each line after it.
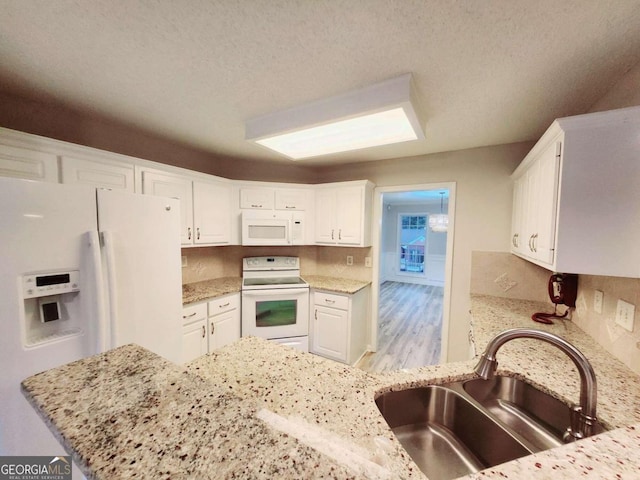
x,y
173,186
29,164
535,205
291,199
211,213
343,214
97,173
205,207
576,196
257,198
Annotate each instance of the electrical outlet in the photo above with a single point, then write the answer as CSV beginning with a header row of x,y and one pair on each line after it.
x,y
625,313
184,260
598,298
349,260
367,262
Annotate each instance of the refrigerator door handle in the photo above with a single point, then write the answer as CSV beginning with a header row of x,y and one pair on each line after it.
x,y
107,244
102,323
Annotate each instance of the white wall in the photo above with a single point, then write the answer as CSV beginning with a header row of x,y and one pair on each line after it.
x,y
483,209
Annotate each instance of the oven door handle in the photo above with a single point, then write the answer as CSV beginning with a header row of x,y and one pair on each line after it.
x,y
270,292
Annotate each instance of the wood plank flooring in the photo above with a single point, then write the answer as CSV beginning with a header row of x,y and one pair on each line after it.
x,y
409,327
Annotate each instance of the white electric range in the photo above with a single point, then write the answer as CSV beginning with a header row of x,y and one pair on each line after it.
x,y
275,301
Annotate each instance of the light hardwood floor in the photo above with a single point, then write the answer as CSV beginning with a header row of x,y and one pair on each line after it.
x,y
409,327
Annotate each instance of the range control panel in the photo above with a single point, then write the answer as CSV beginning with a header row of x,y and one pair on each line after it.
x,y
44,284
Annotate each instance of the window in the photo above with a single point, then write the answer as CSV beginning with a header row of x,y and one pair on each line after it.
x,y
413,237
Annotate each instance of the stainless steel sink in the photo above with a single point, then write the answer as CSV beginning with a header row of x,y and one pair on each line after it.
x,y
538,418
445,434
463,427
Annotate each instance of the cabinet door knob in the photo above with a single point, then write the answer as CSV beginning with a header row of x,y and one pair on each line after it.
x,y
340,234
198,233
189,233
332,234
189,316
204,331
213,328
316,314
225,305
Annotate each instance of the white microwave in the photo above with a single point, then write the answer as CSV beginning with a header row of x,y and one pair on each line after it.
x,y
272,228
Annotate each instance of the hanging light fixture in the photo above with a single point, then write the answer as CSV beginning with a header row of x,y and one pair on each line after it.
x,y
380,114
439,222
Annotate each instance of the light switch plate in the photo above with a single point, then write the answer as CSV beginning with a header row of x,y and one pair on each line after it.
x,y
349,260
598,298
625,313
367,262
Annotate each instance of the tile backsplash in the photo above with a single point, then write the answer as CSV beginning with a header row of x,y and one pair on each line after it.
x,y
505,275
206,263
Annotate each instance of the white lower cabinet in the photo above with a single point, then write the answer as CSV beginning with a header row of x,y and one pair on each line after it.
x,y
224,321
208,326
194,331
339,325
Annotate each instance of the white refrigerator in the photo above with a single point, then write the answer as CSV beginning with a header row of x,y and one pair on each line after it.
x,y
82,270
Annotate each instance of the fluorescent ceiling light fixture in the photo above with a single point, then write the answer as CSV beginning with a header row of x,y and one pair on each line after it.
x,y
380,114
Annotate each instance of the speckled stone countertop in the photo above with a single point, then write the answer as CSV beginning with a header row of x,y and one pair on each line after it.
x,y
334,284
207,289
258,410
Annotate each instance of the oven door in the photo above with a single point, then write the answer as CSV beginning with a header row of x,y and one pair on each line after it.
x,y
275,313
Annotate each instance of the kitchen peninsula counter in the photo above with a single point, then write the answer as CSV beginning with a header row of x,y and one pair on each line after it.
x,y
258,410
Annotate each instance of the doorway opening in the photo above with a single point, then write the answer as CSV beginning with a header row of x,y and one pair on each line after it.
x,y
412,245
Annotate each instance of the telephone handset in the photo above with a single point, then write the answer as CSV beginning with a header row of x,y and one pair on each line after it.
x,y
563,290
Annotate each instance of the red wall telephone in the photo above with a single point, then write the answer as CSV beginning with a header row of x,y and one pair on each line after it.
x,y
563,290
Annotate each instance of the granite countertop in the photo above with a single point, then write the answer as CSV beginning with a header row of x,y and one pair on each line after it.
x,y
207,289
335,284
258,410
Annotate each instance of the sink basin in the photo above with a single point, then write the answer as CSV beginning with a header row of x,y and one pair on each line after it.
x,y
445,434
460,428
538,418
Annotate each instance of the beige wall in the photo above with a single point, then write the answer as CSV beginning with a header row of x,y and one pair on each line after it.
x,y
482,216
625,93
50,118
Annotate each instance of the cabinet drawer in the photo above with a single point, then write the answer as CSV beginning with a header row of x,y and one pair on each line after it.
x,y
194,313
331,300
224,304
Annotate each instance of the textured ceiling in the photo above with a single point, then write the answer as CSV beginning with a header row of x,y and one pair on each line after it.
x,y
487,71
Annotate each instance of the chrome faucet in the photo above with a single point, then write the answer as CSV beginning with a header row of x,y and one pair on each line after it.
x,y
583,416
